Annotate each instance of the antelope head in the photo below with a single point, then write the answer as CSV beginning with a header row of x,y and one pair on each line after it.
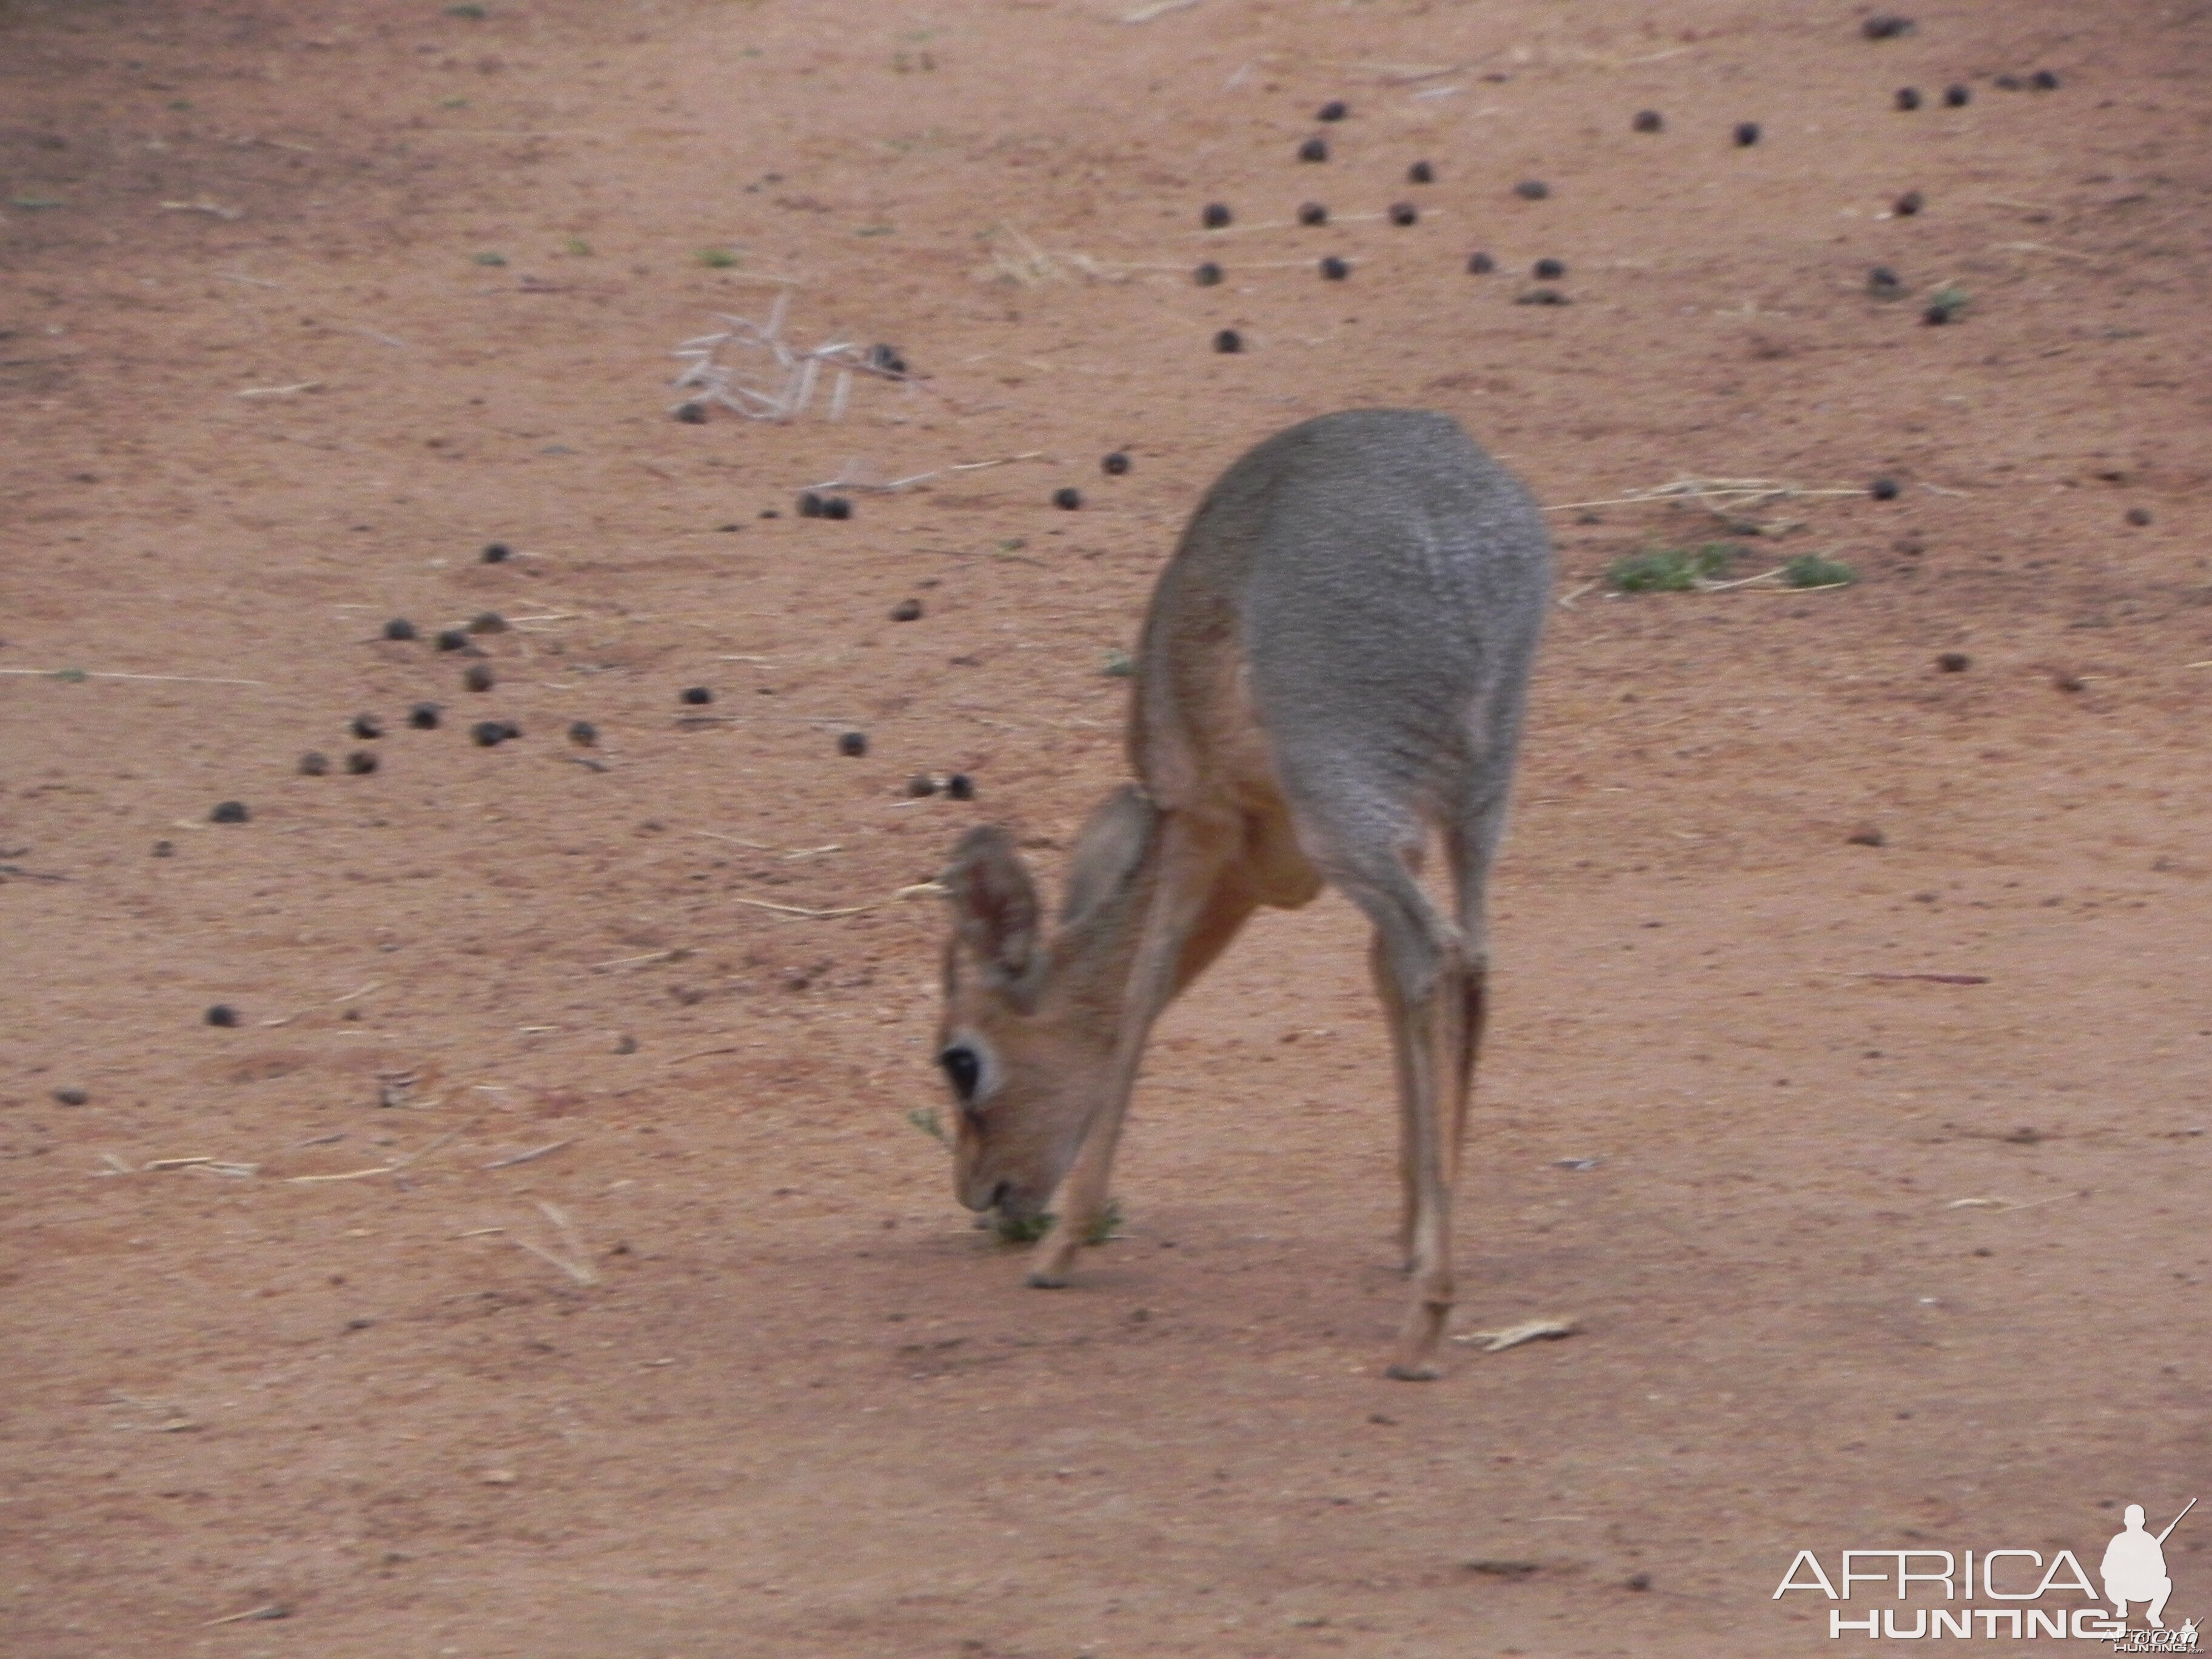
x,y
1028,1031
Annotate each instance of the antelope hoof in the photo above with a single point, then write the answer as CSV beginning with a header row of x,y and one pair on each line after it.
x,y
1402,1372
1043,1278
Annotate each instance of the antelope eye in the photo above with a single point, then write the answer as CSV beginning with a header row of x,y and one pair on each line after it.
x,y
963,1069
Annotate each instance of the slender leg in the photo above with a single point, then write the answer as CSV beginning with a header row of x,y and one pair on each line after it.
x,y
1420,966
1394,1016
1476,991
1192,863
1227,909
1435,1018
1472,844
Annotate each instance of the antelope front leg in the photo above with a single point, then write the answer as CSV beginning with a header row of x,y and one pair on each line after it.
x,y
1082,1203
1190,861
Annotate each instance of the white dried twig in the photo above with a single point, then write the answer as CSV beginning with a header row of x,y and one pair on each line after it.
x,y
751,369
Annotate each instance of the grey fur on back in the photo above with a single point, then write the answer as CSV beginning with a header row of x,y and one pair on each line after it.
x,y
1383,582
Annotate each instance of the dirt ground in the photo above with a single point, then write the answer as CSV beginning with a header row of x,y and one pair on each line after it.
x,y
1893,1232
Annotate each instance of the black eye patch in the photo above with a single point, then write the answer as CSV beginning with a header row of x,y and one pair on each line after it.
x,y
962,1069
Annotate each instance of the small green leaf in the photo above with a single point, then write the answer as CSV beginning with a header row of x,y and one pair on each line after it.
x,y
1030,1228
1670,570
1814,570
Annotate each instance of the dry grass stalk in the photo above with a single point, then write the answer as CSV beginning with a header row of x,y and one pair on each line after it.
x,y
631,962
1016,259
1707,585
1930,979
575,1264
266,1610
919,890
854,476
346,1175
533,1154
100,674
1566,601
1512,1336
1389,74
1723,497
701,1054
801,910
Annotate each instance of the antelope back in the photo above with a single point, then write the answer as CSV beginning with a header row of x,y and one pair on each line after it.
x,y
1367,588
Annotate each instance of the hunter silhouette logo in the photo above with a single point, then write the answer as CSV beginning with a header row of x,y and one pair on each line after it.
x,y
2135,1566
2033,1595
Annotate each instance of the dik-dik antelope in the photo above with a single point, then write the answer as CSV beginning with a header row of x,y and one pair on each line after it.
x,y
1333,666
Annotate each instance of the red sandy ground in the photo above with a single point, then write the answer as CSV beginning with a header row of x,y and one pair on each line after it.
x,y
801,1407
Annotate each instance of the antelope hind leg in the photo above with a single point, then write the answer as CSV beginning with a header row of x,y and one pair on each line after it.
x,y
1433,1045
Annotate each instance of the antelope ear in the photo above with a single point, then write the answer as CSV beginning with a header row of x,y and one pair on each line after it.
x,y
1108,853
994,904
